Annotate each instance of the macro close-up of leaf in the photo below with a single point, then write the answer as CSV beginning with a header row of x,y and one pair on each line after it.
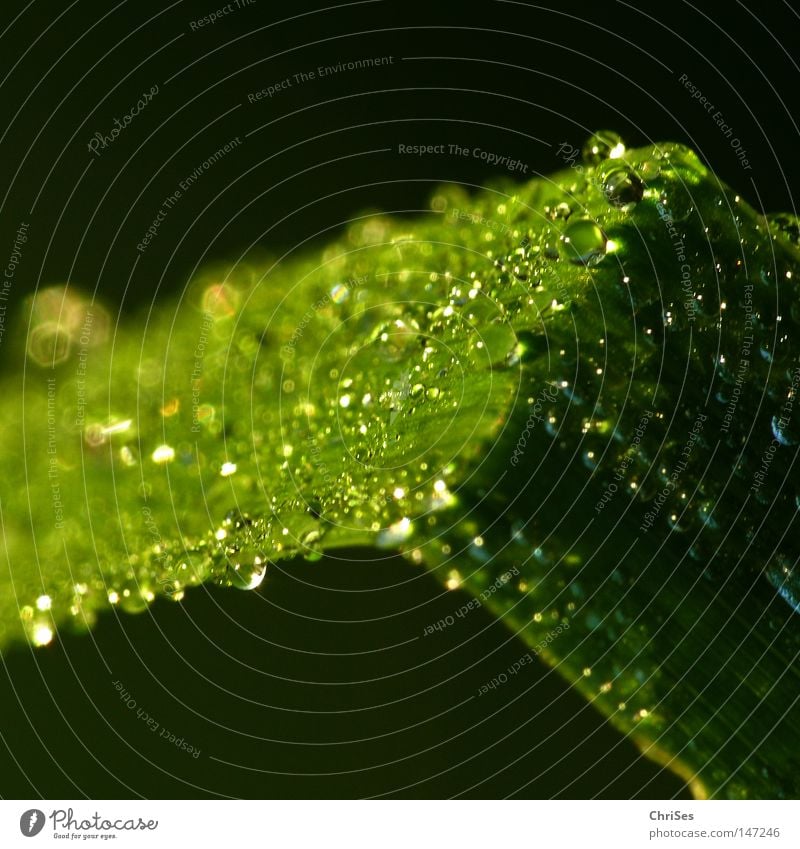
x,y
571,398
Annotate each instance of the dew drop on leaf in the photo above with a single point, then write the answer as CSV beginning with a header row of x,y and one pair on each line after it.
x,y
584,242
246,569
135,598
623,188
784,432
604,144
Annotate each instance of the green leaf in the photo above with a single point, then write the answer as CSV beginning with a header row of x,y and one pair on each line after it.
x,y
574,398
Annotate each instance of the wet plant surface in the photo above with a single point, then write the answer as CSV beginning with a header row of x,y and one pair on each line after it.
x,y
572,399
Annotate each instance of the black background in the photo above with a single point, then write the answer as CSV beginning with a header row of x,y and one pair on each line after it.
x,y
320,684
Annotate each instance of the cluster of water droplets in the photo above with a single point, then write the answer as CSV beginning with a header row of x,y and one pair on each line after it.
x,y
556,291
686,274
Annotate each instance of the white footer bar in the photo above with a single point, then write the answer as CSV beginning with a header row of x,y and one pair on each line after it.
x,y
401,824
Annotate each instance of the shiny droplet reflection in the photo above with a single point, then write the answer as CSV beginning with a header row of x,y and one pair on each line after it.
x,y
583,242
604,144
623,188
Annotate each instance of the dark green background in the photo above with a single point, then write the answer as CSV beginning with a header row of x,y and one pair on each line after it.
x,y
320,683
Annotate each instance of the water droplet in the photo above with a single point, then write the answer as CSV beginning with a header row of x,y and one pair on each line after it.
x,y
783,431
517,532
311,539
41,633
135,598
705,512
454,579
782,575
339,293
623,188
497,341
396,533
236,520
604,144
163,454
395,340
561,211
245,570
583,241
675,521
590,459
